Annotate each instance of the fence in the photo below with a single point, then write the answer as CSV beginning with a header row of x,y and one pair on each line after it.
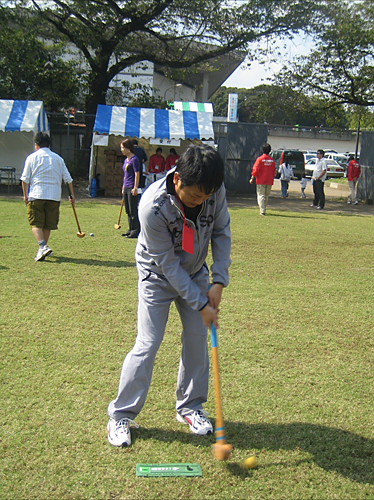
x,y
67,132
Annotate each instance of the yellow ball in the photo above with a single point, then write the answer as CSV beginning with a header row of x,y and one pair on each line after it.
x,y
251,463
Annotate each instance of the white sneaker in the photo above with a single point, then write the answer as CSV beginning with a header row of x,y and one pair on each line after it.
x,y
46,251
355,203
119,431
39,255
349,202
197,421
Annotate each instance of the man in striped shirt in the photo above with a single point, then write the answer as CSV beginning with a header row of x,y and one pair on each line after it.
x,y
41,179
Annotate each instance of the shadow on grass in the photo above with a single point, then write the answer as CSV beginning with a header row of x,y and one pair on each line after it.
x,y
89,262
292,215
332,449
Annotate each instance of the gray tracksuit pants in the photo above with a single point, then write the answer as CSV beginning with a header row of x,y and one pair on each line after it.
x,y
155,296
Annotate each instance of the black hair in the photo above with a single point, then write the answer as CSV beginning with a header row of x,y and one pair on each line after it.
x,y
159,149
172,150
203,166
42,139
266,148
135,142
321,151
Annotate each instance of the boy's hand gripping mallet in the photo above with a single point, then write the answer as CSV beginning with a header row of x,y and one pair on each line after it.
x,y
221,449
117,226
79,233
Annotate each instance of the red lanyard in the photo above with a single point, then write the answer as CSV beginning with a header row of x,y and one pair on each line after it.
x,y
188,235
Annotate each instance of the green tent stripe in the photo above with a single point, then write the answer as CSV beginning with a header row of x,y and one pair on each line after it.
x,y
186,106
200,106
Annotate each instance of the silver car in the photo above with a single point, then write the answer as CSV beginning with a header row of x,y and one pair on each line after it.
x,y
333,168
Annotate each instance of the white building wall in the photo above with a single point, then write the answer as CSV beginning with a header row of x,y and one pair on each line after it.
x,y
168,90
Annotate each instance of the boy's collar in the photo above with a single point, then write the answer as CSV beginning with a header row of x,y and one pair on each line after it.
x,y
169,181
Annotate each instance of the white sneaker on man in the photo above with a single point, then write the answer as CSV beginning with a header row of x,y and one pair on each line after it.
x,y
355,203
197,421
39,255
46,251
119,431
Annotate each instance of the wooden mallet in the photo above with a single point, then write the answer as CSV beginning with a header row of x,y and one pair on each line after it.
x,y
117,226
221,449
79,233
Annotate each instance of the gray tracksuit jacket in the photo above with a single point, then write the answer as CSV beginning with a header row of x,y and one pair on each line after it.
x,y
159,247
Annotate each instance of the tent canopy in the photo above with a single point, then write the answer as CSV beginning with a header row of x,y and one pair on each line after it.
x,y
206,107
153,123
23,116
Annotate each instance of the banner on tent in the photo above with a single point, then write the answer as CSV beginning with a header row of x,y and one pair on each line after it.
x,y
165,142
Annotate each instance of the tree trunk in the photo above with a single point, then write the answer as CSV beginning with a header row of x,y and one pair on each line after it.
x,y
96,95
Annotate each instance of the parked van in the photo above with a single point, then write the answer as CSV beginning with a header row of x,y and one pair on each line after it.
x,y
296,160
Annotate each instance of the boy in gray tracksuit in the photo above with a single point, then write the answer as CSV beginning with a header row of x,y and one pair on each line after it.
x,y
179,215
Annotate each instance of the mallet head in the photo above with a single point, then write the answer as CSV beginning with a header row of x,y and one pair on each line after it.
x,y
117,226
221,451
81,235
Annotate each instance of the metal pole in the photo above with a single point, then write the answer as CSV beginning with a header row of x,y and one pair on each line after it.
x,y
67,139
358,134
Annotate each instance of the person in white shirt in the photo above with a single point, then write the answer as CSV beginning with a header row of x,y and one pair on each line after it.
x,y
286,174
41,179
319,177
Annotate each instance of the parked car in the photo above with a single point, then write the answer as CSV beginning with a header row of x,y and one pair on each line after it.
x,y
341,158
309,155
333,168
296,160
352,153
308,152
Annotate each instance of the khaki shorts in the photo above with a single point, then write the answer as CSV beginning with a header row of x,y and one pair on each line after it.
x,y
43,214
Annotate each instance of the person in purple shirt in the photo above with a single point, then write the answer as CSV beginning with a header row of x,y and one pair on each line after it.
x,y
131,169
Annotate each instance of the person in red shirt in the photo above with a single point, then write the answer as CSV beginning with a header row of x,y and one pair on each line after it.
x,y
264,172
354,172
171,159
156,163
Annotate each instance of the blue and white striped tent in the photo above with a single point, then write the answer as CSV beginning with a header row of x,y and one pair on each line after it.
x,y
19,121
153,123
23,116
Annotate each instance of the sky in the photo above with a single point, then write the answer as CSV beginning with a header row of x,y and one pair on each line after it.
x,y
258,74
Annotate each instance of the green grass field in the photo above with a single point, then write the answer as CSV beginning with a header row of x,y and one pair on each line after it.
x,y
295,349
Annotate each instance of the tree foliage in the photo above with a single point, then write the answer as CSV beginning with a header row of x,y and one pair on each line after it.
x,y
340,70
30,69
279,105
175,34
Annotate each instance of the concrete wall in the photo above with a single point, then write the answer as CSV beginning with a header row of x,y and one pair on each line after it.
x,y
311,139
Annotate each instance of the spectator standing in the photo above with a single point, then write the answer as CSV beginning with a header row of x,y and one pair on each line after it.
x,y
171,159
131,170
354,172
142,157
41,180
286,174
319,177
264,172
156,163
303,185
